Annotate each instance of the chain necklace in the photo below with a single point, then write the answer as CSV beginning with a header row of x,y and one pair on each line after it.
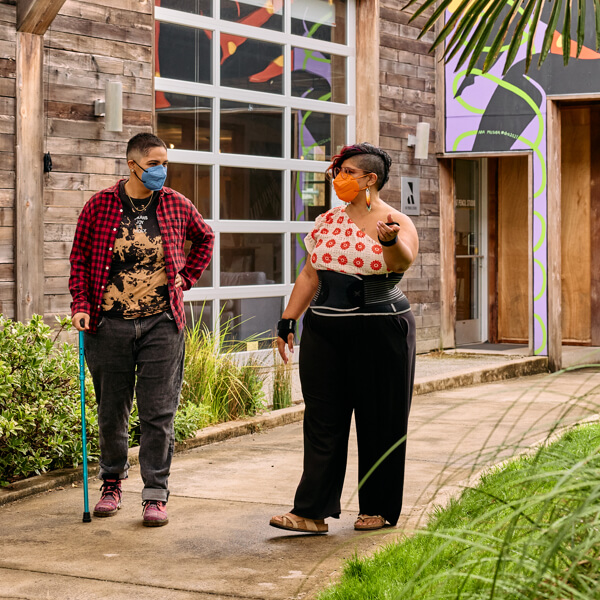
x,y
133,206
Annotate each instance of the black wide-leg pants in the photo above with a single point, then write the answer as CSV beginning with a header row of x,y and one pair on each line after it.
x,y
365,365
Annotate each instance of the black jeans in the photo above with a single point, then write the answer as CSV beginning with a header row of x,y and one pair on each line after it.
x,y
144,356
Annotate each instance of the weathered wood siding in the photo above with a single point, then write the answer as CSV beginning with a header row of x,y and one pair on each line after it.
x,y
90,42
8,19
407,96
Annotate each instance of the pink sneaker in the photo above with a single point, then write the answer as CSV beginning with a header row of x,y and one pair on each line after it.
x,y
110,501
155,513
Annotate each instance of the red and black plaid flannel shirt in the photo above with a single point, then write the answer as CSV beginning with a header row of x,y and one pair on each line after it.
x,y
95,235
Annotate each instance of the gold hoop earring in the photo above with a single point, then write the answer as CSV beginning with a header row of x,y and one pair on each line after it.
x,y
368,197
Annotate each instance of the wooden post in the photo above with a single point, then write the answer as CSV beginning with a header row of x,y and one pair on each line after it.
x,y
33,19
35,16
553,237
367,71
29,200
447,253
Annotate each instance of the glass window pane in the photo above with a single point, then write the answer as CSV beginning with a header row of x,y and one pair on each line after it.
x,y
298,254
251,258
196,7
267,14
251,64
311,195
194,182
251,129
318,75
320,19
183,53
317,136
251,318
183,122
198,311
251,194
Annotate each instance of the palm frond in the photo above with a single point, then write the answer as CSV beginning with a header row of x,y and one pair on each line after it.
x,y
480,32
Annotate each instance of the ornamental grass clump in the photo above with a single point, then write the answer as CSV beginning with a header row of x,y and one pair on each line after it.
x,y
530,530
217,385
40,421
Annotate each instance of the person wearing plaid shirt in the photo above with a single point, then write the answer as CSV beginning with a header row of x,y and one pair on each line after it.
x,y
128,273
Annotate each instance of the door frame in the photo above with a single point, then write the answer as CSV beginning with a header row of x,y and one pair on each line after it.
x,y
481,262
447,234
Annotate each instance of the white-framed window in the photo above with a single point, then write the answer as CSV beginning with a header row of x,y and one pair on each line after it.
x,y
253,98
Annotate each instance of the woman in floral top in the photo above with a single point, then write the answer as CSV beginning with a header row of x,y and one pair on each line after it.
x,y
355,316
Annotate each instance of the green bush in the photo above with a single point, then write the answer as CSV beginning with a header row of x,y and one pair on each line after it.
x,y
40,422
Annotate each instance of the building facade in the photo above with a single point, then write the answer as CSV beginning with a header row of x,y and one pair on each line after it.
x,y
253,99
518,159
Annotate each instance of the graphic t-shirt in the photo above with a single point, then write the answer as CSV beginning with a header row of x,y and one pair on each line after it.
x,y
137,285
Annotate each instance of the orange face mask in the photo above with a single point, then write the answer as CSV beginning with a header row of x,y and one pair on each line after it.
x,y
346,187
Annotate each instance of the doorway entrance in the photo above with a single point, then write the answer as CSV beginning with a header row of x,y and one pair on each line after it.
x,y
470,245
491,250
580,224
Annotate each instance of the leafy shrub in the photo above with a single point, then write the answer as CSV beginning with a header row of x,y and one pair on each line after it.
x,y
40,422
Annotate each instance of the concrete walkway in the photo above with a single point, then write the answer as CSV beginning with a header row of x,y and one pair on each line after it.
x,y
218,543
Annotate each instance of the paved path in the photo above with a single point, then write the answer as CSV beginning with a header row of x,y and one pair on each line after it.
x,y
219,544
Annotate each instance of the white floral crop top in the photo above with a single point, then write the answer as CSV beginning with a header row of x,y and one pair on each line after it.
x,y
337,244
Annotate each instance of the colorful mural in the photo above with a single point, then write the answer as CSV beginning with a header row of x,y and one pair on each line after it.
x,y
490,112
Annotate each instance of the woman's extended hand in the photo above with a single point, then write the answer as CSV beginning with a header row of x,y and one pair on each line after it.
x,y
387,233
281,345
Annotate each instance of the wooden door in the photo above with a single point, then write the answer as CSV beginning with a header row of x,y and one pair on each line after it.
x,y
576,283
512,250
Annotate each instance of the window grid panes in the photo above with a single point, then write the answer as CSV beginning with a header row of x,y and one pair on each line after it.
x,y
253,100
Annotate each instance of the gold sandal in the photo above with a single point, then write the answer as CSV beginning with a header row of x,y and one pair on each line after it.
x,y
362,525
299,524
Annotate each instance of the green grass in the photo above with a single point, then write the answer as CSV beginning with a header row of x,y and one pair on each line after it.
x,y
217,387
528,530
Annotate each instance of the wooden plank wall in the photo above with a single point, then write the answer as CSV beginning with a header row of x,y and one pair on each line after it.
x,y
407,96
8,20
90,42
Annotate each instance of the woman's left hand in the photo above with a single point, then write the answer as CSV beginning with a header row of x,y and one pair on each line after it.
x,y
386,233
178,281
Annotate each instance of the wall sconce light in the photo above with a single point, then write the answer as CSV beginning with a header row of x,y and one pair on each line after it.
x,y
420,141
112,107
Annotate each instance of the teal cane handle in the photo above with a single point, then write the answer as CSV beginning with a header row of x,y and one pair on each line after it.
x,y
86,508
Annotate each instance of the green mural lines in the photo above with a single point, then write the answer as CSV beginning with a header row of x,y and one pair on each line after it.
x,y
462,136
543,233
542,346
544,276
517,91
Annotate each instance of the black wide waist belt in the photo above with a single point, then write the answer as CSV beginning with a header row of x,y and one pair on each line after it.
x,y
341,294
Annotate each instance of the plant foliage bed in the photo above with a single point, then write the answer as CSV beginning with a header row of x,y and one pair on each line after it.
x,y
529,530
40,421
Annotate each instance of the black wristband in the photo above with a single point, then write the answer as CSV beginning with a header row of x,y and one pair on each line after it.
x,y
285,327
391,242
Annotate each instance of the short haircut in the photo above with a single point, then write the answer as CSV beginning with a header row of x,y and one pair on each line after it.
x,y
142,143
370,158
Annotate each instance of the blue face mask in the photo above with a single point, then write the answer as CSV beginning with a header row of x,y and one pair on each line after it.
x,y
154,177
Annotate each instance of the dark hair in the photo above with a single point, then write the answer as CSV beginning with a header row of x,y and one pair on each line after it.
x,y
142,143
370,158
